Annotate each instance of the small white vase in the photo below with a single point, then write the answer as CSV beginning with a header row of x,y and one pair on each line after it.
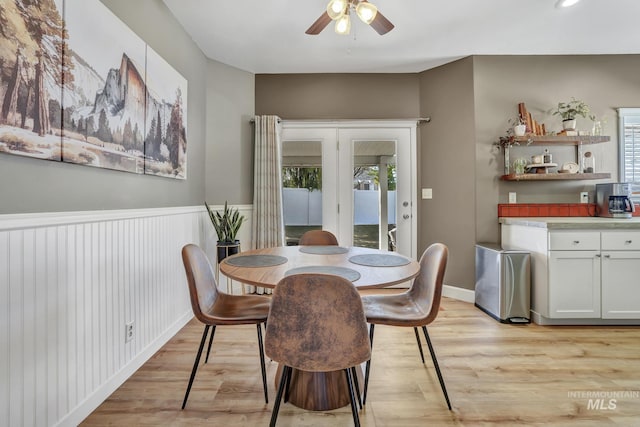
x,y
569,124
519,130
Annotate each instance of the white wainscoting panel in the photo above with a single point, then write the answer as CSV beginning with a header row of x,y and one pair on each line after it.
x,y
69,282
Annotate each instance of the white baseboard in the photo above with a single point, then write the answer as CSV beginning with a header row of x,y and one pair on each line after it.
x,y
461,294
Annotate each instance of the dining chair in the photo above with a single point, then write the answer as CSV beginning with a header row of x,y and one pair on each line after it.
x,y
417,307
316,324
318,238
213,307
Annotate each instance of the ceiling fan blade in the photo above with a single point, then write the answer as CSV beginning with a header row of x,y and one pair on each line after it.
x,y
381,24
319,25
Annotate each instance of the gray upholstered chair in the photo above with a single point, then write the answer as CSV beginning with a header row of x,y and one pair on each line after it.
x,y
213,307
417,307
316,324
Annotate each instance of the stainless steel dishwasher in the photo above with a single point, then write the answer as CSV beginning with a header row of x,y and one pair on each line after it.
x,y
503,283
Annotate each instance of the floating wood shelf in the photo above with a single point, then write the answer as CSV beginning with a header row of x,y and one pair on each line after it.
x,y
561,140
577,141
554,176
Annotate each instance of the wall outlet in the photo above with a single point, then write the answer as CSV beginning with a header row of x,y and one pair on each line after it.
x,y
584,197
128,331
512,198
427,193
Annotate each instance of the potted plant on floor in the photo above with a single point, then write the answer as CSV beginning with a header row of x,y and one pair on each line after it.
x,y
227,224
569,111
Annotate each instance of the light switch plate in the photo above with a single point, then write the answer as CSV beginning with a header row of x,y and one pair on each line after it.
x,y
427,193
512,197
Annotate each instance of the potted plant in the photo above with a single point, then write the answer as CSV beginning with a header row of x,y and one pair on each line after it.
x,y
227,224
569,111
519,126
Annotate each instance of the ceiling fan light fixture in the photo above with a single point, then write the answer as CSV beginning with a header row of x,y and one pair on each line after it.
x,y
366,12
337,8
343,25
566,3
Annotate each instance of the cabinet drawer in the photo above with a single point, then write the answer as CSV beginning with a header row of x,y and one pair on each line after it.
x,y
574,241
621,240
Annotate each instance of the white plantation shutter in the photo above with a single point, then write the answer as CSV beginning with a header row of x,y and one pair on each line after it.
x,y
629,119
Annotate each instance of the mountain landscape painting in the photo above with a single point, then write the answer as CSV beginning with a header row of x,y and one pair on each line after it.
x,y
81,87
166,141
32,51
104,108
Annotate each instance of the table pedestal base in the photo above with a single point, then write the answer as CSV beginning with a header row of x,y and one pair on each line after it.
x,y
319,391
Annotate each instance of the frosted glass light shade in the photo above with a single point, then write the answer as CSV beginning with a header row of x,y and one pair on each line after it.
x,y
343,25
336,8
366,12
566,3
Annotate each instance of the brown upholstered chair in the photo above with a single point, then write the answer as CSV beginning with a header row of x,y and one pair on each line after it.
x,y
316,324
318,238
417,307
213,307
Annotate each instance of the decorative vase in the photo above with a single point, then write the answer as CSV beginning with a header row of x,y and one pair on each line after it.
x,y
519,165
569,124
597,128
520,130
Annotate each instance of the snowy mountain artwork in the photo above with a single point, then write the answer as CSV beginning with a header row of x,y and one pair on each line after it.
x,y
103,111
102,97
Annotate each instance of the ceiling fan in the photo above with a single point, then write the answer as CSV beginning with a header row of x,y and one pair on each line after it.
x,y
340,10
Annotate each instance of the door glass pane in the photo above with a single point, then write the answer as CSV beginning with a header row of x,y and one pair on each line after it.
x,y
374,194
302,188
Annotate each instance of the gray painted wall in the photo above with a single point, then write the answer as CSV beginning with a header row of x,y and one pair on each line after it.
x,y
447,165
32,185
230,107
501,82
338,96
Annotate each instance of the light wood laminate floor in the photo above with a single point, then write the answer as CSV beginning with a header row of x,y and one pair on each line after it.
x,y
496,375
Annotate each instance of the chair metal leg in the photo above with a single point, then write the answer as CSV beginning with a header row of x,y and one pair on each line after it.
x,y
264,372
286,372
213,332
352,398
286,389
415,329
435,363
368,367
195,364
354,374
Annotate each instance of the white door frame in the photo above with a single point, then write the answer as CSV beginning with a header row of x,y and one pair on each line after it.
x,y
330,130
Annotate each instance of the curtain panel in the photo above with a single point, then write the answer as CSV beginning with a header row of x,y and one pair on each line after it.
x,y
268,223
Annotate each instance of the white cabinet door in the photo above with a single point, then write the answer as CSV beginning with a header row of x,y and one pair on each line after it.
x,y
621,285
574,284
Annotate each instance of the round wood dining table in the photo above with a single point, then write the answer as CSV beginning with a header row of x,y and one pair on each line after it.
x,y
370,276
319,391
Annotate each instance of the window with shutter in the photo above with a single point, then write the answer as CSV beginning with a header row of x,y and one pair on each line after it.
x,y
629,136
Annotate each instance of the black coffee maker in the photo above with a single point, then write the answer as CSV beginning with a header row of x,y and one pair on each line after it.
x,y
614,200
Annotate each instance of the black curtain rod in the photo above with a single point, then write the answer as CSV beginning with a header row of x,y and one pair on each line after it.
x,y
254,120
420,120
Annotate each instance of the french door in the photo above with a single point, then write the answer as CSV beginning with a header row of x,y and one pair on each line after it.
x,y
356,179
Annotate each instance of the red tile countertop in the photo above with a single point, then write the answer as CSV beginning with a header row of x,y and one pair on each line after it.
x,y
550,210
